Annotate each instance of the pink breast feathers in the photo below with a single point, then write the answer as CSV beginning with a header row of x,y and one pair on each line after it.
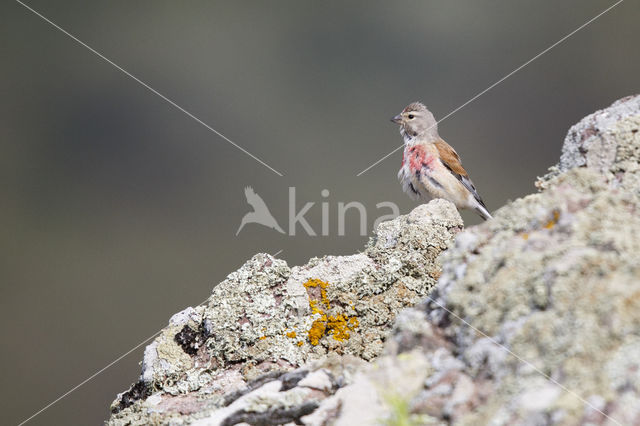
x,y
419,159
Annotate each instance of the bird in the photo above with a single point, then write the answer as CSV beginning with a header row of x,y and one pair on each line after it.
x,y
431,168
260,213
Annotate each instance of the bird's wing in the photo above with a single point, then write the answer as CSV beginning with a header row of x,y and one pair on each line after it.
x,y
451,161
450,158
254,199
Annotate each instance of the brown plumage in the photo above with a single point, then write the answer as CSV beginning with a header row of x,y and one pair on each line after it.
x,y
450,157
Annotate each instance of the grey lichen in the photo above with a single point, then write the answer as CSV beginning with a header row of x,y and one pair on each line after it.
x,y
554,286
605,141
537,313
267,318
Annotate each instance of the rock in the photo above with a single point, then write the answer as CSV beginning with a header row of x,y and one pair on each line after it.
x,y
266,319
537,313
535,318
607,142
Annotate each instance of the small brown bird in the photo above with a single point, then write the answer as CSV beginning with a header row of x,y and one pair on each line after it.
x,y
430,167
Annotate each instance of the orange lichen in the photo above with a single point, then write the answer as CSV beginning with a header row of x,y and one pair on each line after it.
x,y
525,236
338,325
291,334
552,222
317,330
313,304
315,283
263,337
300,343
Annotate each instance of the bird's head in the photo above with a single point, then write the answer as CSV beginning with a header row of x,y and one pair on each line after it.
x,y
417,121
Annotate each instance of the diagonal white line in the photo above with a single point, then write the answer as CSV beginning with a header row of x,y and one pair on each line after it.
x,y
149,87
384,158
524,361
88,379
111,364
504,78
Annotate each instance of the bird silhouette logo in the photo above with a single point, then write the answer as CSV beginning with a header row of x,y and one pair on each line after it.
x,y
260,213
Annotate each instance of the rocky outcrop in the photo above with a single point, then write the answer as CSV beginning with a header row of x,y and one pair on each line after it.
x,y
266,320
535,318
607,143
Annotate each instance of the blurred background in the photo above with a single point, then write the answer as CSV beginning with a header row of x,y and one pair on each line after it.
x,y
118,210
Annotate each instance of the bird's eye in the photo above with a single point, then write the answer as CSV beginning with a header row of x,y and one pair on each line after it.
x,y
411,116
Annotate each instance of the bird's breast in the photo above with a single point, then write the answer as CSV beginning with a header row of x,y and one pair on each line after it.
x,y
418,158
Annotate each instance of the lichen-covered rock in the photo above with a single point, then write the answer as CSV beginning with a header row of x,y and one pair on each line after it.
x,y
606,142
538,304
543,303
535,318
266,319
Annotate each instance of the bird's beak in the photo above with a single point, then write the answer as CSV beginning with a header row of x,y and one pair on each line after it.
x,y
397,119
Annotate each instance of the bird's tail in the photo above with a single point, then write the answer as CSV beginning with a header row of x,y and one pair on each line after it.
x,y
481,209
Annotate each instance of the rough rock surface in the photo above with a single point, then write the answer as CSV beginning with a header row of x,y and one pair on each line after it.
x,y
535,319
267,319
606,142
